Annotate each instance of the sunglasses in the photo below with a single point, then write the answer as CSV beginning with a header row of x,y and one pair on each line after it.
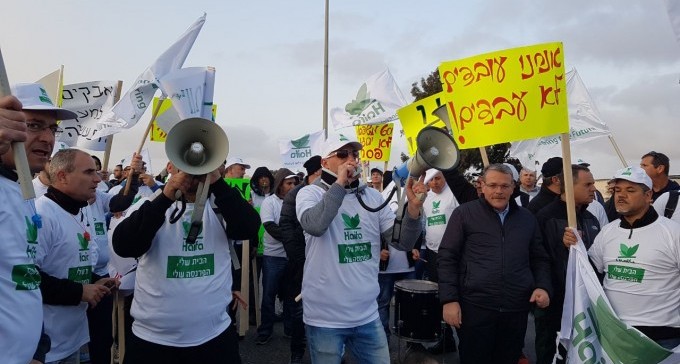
x,y
344,153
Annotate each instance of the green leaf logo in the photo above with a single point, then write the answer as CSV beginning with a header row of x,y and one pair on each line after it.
x,y
31,231
83,241
351,223
301,143
627,172
362,100
435,204
628,252
186,225
137,198
343,138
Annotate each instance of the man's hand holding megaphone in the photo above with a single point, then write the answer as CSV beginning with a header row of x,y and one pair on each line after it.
x,y
415,195
347,172
186,183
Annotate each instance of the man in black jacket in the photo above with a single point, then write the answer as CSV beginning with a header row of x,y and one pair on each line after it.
x,y
293,240
550,190
552,220
492,267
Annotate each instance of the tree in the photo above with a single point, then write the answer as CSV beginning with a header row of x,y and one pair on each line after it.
x,y
469,158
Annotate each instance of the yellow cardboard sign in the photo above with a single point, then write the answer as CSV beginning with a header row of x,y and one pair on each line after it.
x,y
508,95
414,117
377,141
157,134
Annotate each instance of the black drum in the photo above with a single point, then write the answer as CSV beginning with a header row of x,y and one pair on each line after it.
x,y
417,311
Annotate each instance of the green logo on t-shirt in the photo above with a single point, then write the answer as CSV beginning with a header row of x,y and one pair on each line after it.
x,y
626,252
26,277
81,275
196,266
99,228
83,241
436,220
625,273
354,253
31,231
351,223
435,206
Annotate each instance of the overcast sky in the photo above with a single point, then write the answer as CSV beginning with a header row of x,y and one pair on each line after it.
x,y
269,58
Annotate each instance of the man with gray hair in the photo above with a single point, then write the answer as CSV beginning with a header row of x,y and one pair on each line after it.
x,y
492,268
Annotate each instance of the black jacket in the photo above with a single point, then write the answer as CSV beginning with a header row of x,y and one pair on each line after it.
x,y
293,239
492,265
552,220
134,235
542,199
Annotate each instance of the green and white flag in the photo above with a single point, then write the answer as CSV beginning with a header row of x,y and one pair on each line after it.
x,y
294,153
592,332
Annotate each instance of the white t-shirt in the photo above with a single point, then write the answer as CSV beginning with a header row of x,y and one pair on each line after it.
x,y
340,285
642,278
437,209
660,207
39,187
96,213
64,252
398,262
182,290
600,213
21,313
271,211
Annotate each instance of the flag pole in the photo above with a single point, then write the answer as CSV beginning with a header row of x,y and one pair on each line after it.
x,y
618,151
485,157
109,141
568,181
146,134
20,158
325,75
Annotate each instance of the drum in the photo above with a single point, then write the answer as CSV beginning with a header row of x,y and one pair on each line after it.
x,y
417,311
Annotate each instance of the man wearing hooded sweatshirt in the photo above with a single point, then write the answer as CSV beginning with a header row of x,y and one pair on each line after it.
x,y
274,256
339,286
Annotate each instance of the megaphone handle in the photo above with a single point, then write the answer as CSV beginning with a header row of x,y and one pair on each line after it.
x,y
199,207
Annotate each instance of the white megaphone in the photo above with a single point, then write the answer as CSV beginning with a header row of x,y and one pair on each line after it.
x,y
435,149
197,146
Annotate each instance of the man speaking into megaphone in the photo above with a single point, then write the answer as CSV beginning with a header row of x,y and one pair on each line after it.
x,y
340,285
182,288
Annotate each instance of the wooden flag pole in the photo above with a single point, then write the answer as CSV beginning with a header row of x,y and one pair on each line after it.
x,y
243,323
109,140
156,110
485,157
20,158
618,151
568,181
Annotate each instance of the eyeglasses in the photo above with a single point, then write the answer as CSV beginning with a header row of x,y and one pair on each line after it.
x,y
494,186
36,128
344,153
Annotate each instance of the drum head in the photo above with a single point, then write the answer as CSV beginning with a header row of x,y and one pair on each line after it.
x,y
416,285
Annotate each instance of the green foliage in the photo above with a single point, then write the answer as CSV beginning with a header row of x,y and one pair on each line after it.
x,y
469,158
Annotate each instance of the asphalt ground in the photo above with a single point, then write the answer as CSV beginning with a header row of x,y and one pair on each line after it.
x,y
277,350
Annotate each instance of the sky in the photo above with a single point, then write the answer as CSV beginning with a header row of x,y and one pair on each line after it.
x,y
268,57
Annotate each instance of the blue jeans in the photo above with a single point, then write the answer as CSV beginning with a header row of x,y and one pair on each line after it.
x,y
386,281
367,343
273,269
669,344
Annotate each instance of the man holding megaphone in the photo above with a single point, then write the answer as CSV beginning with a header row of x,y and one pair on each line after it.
x,y
182,286
340,285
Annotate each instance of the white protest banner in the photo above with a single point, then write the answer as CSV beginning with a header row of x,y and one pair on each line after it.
x,y
376,102
90,101
186,88
294,153
135,101
585,124
591,330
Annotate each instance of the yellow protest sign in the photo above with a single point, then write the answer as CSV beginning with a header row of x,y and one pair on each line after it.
x,y
167,116
414,117
377,141
508,95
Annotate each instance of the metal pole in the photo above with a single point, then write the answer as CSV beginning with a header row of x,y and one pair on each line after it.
x,y
325,75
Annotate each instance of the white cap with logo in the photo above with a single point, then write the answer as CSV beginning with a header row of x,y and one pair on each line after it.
x,y
336,142
236,160
635,175
33,97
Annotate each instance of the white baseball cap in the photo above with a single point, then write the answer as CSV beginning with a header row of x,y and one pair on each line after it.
x,y
515,174
236,160
337,142
635,175
430,173
34,97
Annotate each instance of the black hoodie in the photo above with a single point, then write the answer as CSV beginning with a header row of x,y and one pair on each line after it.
x,y
261,172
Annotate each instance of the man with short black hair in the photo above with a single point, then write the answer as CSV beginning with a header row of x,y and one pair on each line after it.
x,y
657,166
550,190
640,255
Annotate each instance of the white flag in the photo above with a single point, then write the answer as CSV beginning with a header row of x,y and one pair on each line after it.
x,y
376,102
585,124
52,83
90,101
294,153
189,91
135,101
591,331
